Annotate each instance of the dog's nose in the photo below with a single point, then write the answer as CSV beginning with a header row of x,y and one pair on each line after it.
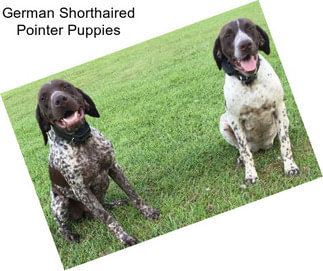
x,y
59,100
245,45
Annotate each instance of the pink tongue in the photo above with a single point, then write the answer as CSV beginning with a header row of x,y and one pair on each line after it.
x,y
249,65
71,120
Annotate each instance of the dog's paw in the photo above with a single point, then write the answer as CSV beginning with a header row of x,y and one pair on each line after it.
x,y
290,168
153,214
251,180
149,212
128,240
71,236
251,176
115,204
292,172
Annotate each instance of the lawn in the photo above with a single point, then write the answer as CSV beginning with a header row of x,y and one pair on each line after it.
x,y
160,103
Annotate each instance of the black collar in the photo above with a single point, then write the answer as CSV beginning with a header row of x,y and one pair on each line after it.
x,y
80,136
229,69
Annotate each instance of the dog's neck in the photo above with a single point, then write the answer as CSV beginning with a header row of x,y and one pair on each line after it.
x,y
230,70
80,136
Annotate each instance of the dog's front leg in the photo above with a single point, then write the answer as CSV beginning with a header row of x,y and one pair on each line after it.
x,y
282,123
84,195
119,177
251,175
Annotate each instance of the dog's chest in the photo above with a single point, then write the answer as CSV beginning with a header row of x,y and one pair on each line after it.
x,y
90,160
254,103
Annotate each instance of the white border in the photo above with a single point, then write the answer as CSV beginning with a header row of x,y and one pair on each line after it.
x,y
281,232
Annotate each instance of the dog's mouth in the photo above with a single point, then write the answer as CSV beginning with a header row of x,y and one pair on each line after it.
x,y
71,119
248,64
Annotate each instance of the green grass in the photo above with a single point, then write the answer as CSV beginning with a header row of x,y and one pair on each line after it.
x,y
160,103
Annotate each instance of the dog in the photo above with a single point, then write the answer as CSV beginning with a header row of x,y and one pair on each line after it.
x,y
81,161
255,109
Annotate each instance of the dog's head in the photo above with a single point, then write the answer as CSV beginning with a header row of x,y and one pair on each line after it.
x,y
62,106
238,43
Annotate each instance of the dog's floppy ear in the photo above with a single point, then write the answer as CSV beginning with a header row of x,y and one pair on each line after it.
x,y
264,40
90,107
43,124
217,53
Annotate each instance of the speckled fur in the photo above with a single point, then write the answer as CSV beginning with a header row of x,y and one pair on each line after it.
x,y
255,112
86,168
80,171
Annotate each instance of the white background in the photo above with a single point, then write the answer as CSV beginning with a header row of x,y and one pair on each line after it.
x,y
281,232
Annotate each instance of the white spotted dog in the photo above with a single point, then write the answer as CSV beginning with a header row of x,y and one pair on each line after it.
x,y
255,109
81,160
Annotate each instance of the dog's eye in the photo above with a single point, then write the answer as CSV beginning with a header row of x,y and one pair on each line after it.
x,y
42,98
66,87
228,35
249,27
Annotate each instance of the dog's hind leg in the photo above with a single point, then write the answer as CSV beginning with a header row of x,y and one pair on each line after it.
x,y
228,134
60,210
226,131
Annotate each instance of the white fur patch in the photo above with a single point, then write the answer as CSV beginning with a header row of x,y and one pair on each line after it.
x,y
240,36
256,114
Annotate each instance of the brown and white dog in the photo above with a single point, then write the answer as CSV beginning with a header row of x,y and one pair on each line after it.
x,y
81,161
255,109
